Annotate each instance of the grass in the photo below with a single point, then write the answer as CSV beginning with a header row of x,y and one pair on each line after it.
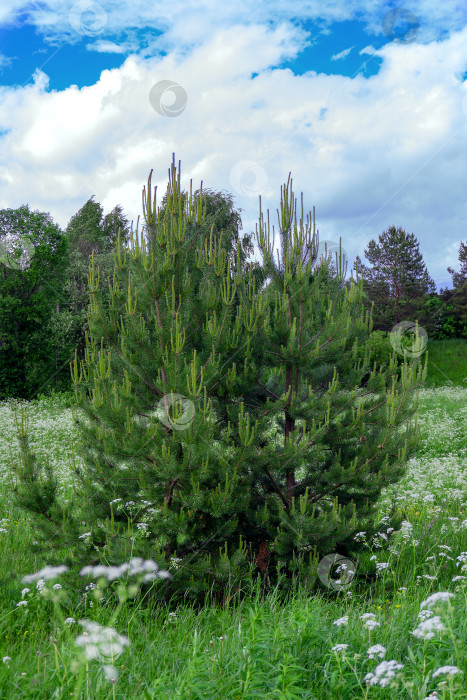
x,y
256,647
447,363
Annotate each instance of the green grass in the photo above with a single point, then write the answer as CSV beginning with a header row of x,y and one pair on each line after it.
x,y
447,362
256,647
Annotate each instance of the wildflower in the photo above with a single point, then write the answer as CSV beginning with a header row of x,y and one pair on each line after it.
x,y
6,659
376,650
366,616
373,557
447,670
339,647
371,624
383,673
57,586
135,566
341,621
40,584
359,536
427,628
444,546
381,565
402,588
86,534
27,590
425,614
21,602
142,526
110,672
48,572
102,642
459,578
440,597
70,621
116,500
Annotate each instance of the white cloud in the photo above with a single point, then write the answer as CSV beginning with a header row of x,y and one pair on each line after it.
x,y
385,151
107,47
342,54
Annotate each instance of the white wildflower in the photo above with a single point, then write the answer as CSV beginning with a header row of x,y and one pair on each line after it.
x,y
371,624
383,673
339,647
341,621
425,614
376,650
48,572
447,670
428,628
439,597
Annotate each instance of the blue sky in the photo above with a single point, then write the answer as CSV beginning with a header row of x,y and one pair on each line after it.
x,y
365,102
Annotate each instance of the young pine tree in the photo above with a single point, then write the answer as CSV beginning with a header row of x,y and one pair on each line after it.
x,y
218,436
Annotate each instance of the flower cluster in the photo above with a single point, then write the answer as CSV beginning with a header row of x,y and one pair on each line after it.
x,y
134,567
383,673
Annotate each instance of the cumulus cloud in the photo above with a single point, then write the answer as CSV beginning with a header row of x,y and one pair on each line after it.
x,y
368,152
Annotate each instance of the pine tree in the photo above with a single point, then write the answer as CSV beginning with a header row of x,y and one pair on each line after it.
x,y
398,282
214,437
454,301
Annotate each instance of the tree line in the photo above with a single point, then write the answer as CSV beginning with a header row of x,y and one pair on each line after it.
x,y
44,297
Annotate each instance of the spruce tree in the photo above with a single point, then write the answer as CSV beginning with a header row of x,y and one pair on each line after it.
x,y
218,437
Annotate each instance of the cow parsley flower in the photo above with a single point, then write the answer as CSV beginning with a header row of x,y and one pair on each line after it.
x,y
447,670
439,597
48,572
341,621
376,650
339,647
371,624
383,673
428,628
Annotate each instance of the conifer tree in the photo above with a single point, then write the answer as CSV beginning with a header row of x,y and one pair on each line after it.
x,y
453,302
217,437
398,280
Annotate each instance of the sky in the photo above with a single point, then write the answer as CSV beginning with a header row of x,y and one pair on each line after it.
x,y
365,103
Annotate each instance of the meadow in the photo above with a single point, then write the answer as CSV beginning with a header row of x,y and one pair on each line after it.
x,y
401,633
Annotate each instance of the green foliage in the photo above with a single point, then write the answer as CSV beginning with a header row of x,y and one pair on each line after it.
x,y
225,427
29,355
398,280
